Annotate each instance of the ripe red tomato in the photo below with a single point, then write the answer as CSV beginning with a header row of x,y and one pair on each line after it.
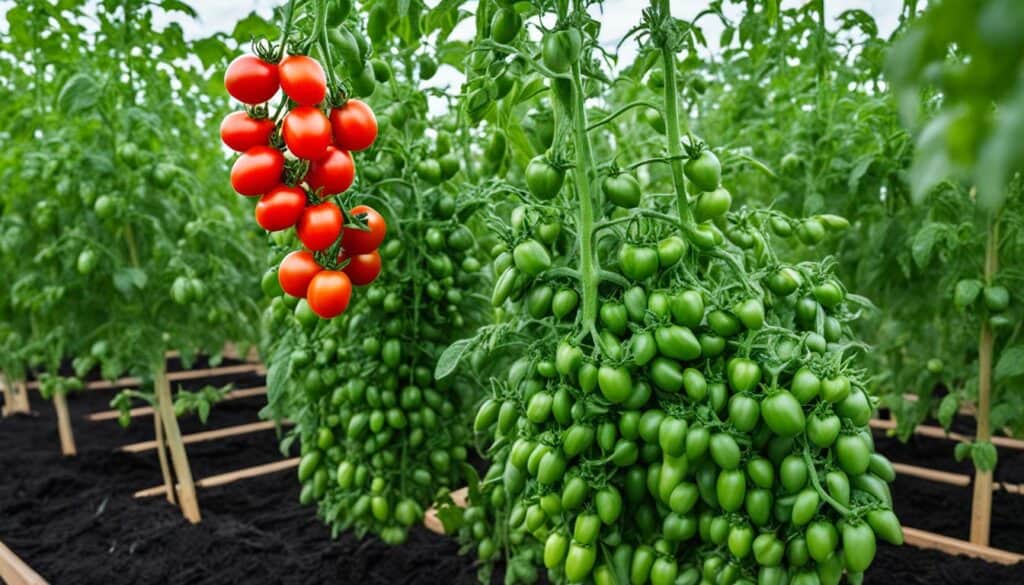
x,y
303,79
356,241
257,171
355,126
307,132
295,272
240,132
333,173
280,208
319,226
329,293
251,80
363,268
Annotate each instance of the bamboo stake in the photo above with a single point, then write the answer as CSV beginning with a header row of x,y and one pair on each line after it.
x,y
14,571
227,478
981,504
179,459
161,451
204,436
67,435
941,433
15,397
147,410
955,546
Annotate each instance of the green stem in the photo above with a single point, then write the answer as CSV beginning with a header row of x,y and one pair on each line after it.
x,y
621,111
584,177
813,472
675,145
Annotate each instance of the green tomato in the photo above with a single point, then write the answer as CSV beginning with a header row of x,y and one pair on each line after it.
x,y
704,171
638,262
561,49
543,179
783,414
712,204
531,257
622,190
858,546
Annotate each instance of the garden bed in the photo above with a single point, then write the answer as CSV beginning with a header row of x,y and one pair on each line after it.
x,y
69,518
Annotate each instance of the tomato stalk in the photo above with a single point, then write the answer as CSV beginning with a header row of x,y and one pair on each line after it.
x,y
675,145
585,179
812,472
981,504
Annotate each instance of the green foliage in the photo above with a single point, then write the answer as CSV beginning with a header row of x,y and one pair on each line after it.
x,y
113,190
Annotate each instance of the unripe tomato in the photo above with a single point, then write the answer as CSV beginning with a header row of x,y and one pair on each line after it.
x,y
251,80
329,293
704,171
355,126
303,80
543,179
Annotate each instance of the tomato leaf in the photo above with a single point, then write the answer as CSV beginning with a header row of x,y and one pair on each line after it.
x,y
931,161
984,455
80,93
451,357
1011,363
924,242
125,279
947,409
961,451
253,27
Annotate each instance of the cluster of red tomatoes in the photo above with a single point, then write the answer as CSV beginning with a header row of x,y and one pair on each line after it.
x,y
321,138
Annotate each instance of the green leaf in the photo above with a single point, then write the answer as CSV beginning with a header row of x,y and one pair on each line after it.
x,y
80,93
984,455
254,27
450,357
125,279
962,451
947,409
924,243
1011,363
211,51
204,410
931,163
1001,156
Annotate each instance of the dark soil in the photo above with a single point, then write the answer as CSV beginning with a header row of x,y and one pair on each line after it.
x,y
75,522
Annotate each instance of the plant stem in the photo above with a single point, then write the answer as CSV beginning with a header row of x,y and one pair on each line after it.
x,y
585,179
675,145
981,505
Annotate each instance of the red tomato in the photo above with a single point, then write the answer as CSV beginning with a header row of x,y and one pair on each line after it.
x,y
303,79
333,173
363,268
257,171
295,272
307,132
280,208
240,132
355,126
319,226
329,293
251,80
356,241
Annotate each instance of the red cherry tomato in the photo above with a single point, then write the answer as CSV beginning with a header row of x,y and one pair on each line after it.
x,y
251,80
355,126
333,173
257,171
329,293
296,271
280,208
363,268
319,226
307,132
303,79
240,132
356,241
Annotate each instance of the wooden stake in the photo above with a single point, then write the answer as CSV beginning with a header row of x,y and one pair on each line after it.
x,y
227,478
148,410
433,523
981,504
15,397
161,451
179,459
955,546
14,571
204,436
67,435
941,433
